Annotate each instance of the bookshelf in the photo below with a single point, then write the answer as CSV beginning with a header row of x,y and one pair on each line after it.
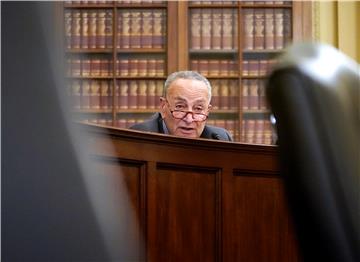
x,y
118,54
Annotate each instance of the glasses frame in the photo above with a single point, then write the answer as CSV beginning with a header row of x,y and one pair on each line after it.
x,y
186,113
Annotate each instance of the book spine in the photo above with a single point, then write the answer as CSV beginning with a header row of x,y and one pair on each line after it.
x,y
204,67
124,95
259,131
245,94
253,94
227,29
151,67
267,136
224,94
259,34
287,27
84,30
233,94
124,67
245,67
104,67
235,29
279,28
195,29
250,131
95,67
206,29
76,29
253,67
76,66
93,21
142,101
104,97
142,67
151,94
68,28
194,65
262,96
125,26
133,94
159,90
86,67
95,94
157,39
269,29
135,28
214,67
100,34
215,98
133,63
216,29
224,67
108,29
76,94
160,67
249,29
147,29
85,94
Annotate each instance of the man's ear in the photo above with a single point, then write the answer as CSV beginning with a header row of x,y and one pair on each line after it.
x,y
209,107
162,106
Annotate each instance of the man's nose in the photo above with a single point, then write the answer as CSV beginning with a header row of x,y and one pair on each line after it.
x,y
189,117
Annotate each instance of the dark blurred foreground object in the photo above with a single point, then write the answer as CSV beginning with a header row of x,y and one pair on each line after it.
x,y
314,95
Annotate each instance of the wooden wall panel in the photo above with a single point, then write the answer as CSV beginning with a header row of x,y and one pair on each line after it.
x,y
182,207
254,225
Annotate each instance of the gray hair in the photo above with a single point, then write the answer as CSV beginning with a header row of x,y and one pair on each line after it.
x,y
186,75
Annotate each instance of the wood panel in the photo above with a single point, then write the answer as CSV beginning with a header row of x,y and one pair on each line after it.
x,y
198,199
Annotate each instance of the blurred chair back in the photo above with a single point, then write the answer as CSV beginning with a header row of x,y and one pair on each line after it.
x,y
314,95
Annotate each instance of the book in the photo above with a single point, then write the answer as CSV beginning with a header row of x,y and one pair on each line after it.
x,y
194,65
245,94
151,67
259,131
224,67
124,37
135,27
233,68
76,29
108,29
133,67
100,30
204,67
287,27
76,66
84,29
259,33
224,94
249,130
92,16
158,33
95,67
267,136
142,101
279,29
253,94
147,29
248,29
86,67
85,94
215,97
206,29
123,94
76,94
269,29
160,67
195,27
245,67
105,67
262,96
263,67
235,29
94,94
216,25
133,94
68,28
227,29
104,95
151,94
159,90
233,94
142,67
213,67
124,67
253,67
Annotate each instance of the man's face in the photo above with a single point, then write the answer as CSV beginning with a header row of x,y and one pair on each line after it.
x,y
185,95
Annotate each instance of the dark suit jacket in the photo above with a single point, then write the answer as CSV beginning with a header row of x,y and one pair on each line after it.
x,y
154,124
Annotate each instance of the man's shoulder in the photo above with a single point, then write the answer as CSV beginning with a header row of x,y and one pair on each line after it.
x,y
218,133
151,124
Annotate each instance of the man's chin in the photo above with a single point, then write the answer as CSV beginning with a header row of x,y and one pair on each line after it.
x,y
190,134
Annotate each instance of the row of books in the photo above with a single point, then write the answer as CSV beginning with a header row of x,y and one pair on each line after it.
x,y
253,95
266,28
226,2
127,2
88,28
93,29
142,94
214,29
129,94
141,28
257,131
215,67
95,67
257,67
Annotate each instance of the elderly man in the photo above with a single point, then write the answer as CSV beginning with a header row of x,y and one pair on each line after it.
x,y
185,107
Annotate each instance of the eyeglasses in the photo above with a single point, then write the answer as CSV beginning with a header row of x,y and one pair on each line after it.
x,y
181,114
197,117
